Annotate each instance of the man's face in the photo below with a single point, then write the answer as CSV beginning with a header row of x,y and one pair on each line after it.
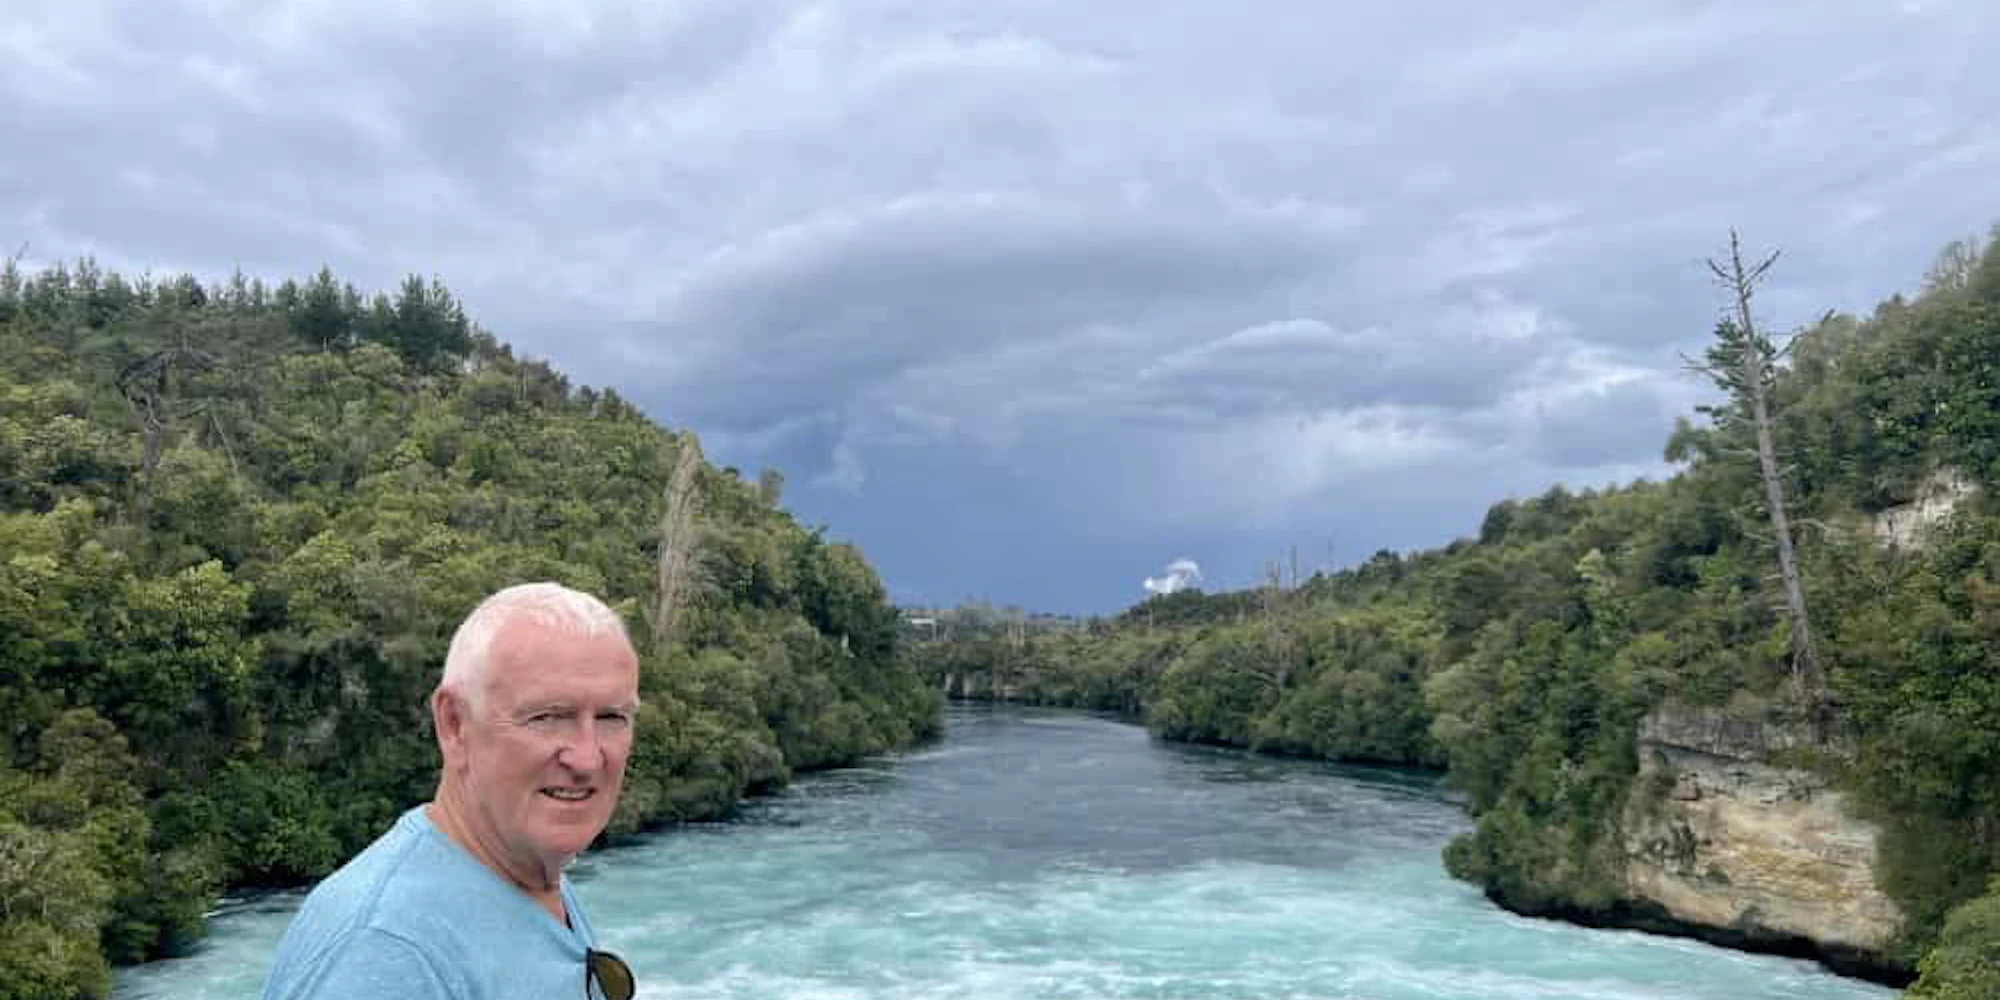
x,y
544,753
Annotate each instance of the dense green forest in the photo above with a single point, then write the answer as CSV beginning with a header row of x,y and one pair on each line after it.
x,y
237,525
1522,658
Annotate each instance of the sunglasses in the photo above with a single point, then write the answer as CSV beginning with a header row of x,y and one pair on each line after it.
x,y
611,975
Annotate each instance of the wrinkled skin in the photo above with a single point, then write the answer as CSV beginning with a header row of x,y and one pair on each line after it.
x,y
554,719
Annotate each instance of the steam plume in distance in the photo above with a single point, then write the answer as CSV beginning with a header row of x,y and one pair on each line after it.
x,y
1181,574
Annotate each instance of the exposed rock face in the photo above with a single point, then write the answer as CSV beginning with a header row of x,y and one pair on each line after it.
x,y
1903,526
1723,841
1718,836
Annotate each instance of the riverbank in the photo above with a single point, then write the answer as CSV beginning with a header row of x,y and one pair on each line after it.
x,y
1750,934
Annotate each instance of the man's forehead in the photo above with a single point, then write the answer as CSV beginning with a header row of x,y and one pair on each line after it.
x,y
556,683
541,660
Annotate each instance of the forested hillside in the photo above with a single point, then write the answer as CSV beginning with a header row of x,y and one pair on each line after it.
x,y
237,525
1523,658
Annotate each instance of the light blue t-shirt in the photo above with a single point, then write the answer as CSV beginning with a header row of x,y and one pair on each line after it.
x,y
415,917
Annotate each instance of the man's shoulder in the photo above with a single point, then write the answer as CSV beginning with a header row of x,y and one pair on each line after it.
x,y
356,891
412,905
371,913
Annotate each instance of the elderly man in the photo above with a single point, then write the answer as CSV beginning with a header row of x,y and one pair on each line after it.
x,y
465,896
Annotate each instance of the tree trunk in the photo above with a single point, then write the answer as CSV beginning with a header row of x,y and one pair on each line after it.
x,y
679,542
1807,680
1805,654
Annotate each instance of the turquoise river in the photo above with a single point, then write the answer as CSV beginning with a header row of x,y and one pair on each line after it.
x,y
1054,854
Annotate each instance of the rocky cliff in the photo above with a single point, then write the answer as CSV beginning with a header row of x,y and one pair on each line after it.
x,y
1937,497
1725,839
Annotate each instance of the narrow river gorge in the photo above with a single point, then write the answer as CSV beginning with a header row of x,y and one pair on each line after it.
x,y
1056,854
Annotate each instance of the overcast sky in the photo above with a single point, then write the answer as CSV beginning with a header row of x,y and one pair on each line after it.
x,y
1032,298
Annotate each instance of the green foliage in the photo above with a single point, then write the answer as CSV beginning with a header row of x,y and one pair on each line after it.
x,y
237,525
1915,671
1526,658
1966,963
1214,690
74,879
1357,694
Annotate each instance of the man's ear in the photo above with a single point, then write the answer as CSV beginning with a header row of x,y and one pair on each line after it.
x,y
449,716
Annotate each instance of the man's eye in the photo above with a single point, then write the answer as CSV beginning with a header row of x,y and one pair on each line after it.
x,y
615,718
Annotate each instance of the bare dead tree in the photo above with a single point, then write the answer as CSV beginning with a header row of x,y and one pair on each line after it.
x,y
679,539
151,388
1271,598
1743,362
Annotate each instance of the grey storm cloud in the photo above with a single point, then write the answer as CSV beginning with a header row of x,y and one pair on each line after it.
x,y
1305,365
1154,272
802,315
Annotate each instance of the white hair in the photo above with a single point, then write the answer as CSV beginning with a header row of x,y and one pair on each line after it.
x,y
469,660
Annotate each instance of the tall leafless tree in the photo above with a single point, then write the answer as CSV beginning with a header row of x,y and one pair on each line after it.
x,y
1744,363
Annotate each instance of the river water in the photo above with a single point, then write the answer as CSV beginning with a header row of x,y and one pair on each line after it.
x,y
1053,854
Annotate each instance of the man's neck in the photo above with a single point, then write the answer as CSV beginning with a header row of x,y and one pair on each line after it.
x,y
456,819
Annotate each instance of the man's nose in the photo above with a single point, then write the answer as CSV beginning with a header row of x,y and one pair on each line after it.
x,y
584,750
